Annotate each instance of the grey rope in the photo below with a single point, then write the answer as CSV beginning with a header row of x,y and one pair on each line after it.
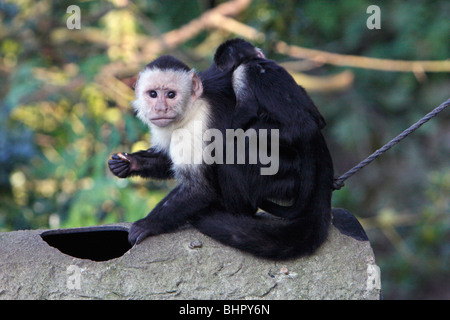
x,y
339,182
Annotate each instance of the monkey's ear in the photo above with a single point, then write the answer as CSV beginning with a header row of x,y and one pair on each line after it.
x,y
131,81
197,86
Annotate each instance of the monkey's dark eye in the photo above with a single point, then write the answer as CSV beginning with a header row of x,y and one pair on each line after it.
x,y
152,94
171,94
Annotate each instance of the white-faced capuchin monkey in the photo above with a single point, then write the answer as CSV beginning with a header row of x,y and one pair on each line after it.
x,y
241,90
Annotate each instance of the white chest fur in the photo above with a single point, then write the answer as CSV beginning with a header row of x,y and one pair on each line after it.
x,y
184,140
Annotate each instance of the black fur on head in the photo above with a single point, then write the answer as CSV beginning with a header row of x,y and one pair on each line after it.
x,y
233,52
168,62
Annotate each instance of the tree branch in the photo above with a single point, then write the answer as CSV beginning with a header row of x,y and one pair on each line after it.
x,y
323,57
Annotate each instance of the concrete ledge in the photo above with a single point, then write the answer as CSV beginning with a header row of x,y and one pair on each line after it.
x,y
181,265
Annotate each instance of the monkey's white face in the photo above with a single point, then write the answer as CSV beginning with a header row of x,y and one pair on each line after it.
x,y
163,96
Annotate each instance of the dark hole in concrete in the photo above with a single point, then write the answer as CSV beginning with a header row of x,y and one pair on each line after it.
x,y
94,243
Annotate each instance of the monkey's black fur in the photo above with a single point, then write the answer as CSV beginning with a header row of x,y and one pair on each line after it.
x,y
225,207
168,63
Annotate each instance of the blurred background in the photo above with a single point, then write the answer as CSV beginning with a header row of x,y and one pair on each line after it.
x,y
65,108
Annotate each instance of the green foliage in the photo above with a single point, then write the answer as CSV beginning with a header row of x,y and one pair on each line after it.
x,y
422,265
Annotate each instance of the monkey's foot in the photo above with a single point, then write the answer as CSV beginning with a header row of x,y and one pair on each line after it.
x,y
138,232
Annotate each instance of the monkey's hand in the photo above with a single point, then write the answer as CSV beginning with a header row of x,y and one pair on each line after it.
x,y
120,164
149,163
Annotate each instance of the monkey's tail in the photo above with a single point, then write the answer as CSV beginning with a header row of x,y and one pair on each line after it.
x,y
267,238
